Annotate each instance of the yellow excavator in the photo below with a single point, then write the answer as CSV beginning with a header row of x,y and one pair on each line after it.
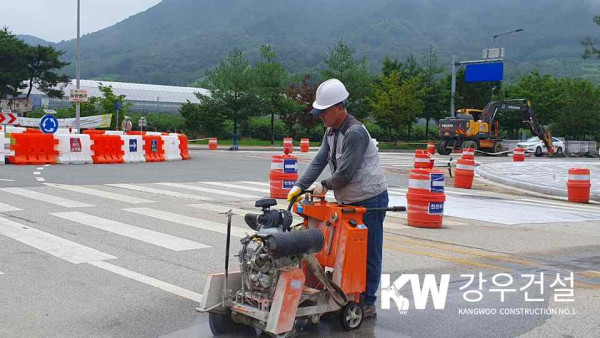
x,y
479,129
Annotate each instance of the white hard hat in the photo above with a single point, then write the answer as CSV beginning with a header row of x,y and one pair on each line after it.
x,y
329,93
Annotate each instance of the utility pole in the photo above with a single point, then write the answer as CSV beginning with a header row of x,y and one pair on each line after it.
x,y
78,70
453,86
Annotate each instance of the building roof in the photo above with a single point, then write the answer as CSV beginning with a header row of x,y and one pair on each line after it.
x,y
137,91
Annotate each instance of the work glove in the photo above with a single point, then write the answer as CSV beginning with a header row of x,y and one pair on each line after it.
x,y
318,189
296,190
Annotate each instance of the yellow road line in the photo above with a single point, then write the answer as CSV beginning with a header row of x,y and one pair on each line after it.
x,y
448,247
446,258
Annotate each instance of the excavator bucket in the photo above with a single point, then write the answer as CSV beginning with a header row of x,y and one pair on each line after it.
x,y
547,139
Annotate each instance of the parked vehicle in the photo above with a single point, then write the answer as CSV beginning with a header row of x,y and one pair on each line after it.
x,y
535,146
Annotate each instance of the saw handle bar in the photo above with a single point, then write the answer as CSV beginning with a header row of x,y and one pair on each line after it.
x,y
393,209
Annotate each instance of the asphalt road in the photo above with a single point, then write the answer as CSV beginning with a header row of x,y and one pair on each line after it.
x,y
124,251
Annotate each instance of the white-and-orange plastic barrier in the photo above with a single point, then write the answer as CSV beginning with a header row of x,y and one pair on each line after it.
x,y
183,147
212,144
283,175
153,147
107,149
464,173
423,159
171,147
33,148
304,145
4,145
425,198
578,185
431,148
74,149
519,154
133,149
288,145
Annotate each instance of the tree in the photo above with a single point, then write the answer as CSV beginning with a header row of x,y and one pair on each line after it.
x,y
396,104
434,101
202,119
41,61
353,73
589,44
107,104
13,66
231,85
304,96
271,80
579,116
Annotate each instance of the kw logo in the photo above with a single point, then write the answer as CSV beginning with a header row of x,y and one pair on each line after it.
x,y
420,294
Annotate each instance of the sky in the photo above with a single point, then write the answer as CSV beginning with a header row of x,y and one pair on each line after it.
x,y
56,20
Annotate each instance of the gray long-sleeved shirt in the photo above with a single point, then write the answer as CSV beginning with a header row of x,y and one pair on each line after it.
x,y
355,144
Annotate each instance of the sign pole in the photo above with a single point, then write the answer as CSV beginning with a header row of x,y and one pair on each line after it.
x,y
453,86
78,71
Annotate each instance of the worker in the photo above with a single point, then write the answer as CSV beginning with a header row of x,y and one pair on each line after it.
x,y
356,175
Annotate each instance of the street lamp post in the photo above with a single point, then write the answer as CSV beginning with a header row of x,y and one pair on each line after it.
x,y
77,71
509,32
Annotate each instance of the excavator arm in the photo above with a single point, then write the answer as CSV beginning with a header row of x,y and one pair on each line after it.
x,y
523,106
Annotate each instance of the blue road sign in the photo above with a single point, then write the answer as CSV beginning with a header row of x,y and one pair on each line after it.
x,y
118,105
437,183
48,124
485,72
132,145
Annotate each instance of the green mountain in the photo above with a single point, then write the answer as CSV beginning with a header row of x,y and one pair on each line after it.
x,y
175,41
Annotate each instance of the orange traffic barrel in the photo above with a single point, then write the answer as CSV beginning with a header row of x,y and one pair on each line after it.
x,y
468,153
425,198
422,159
519,154
578,185
212,144
288,145
431,148
465,171
283,175
304,145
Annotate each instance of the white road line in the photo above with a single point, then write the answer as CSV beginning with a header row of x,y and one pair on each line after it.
x,y
40,179
565,205
39,168
212,191
236,211
176,290
1,273
404,216
543,205
190,221
63,202
6,207
56,246
237,186
160,192
7,180
140,234
47,165
100,193
37,173
264,184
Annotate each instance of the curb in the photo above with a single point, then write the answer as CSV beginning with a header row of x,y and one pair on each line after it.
x,y
526,186
226,148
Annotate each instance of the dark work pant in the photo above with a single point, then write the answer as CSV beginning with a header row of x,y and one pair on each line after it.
x,y
374,222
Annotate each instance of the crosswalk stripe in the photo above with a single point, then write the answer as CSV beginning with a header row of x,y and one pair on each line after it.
x,y
63,202
40,179
264,184
404,215
174,289
237,186
190,221
1,273
236,211
127,230
160,192
100,193
6,207
56,246
208,190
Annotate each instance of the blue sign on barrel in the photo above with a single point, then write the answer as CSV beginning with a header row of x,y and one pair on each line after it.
x,y
437,183
485,72
154,145
290,166
436,208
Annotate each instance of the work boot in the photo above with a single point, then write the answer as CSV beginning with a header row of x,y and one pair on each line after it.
x,y
369,311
